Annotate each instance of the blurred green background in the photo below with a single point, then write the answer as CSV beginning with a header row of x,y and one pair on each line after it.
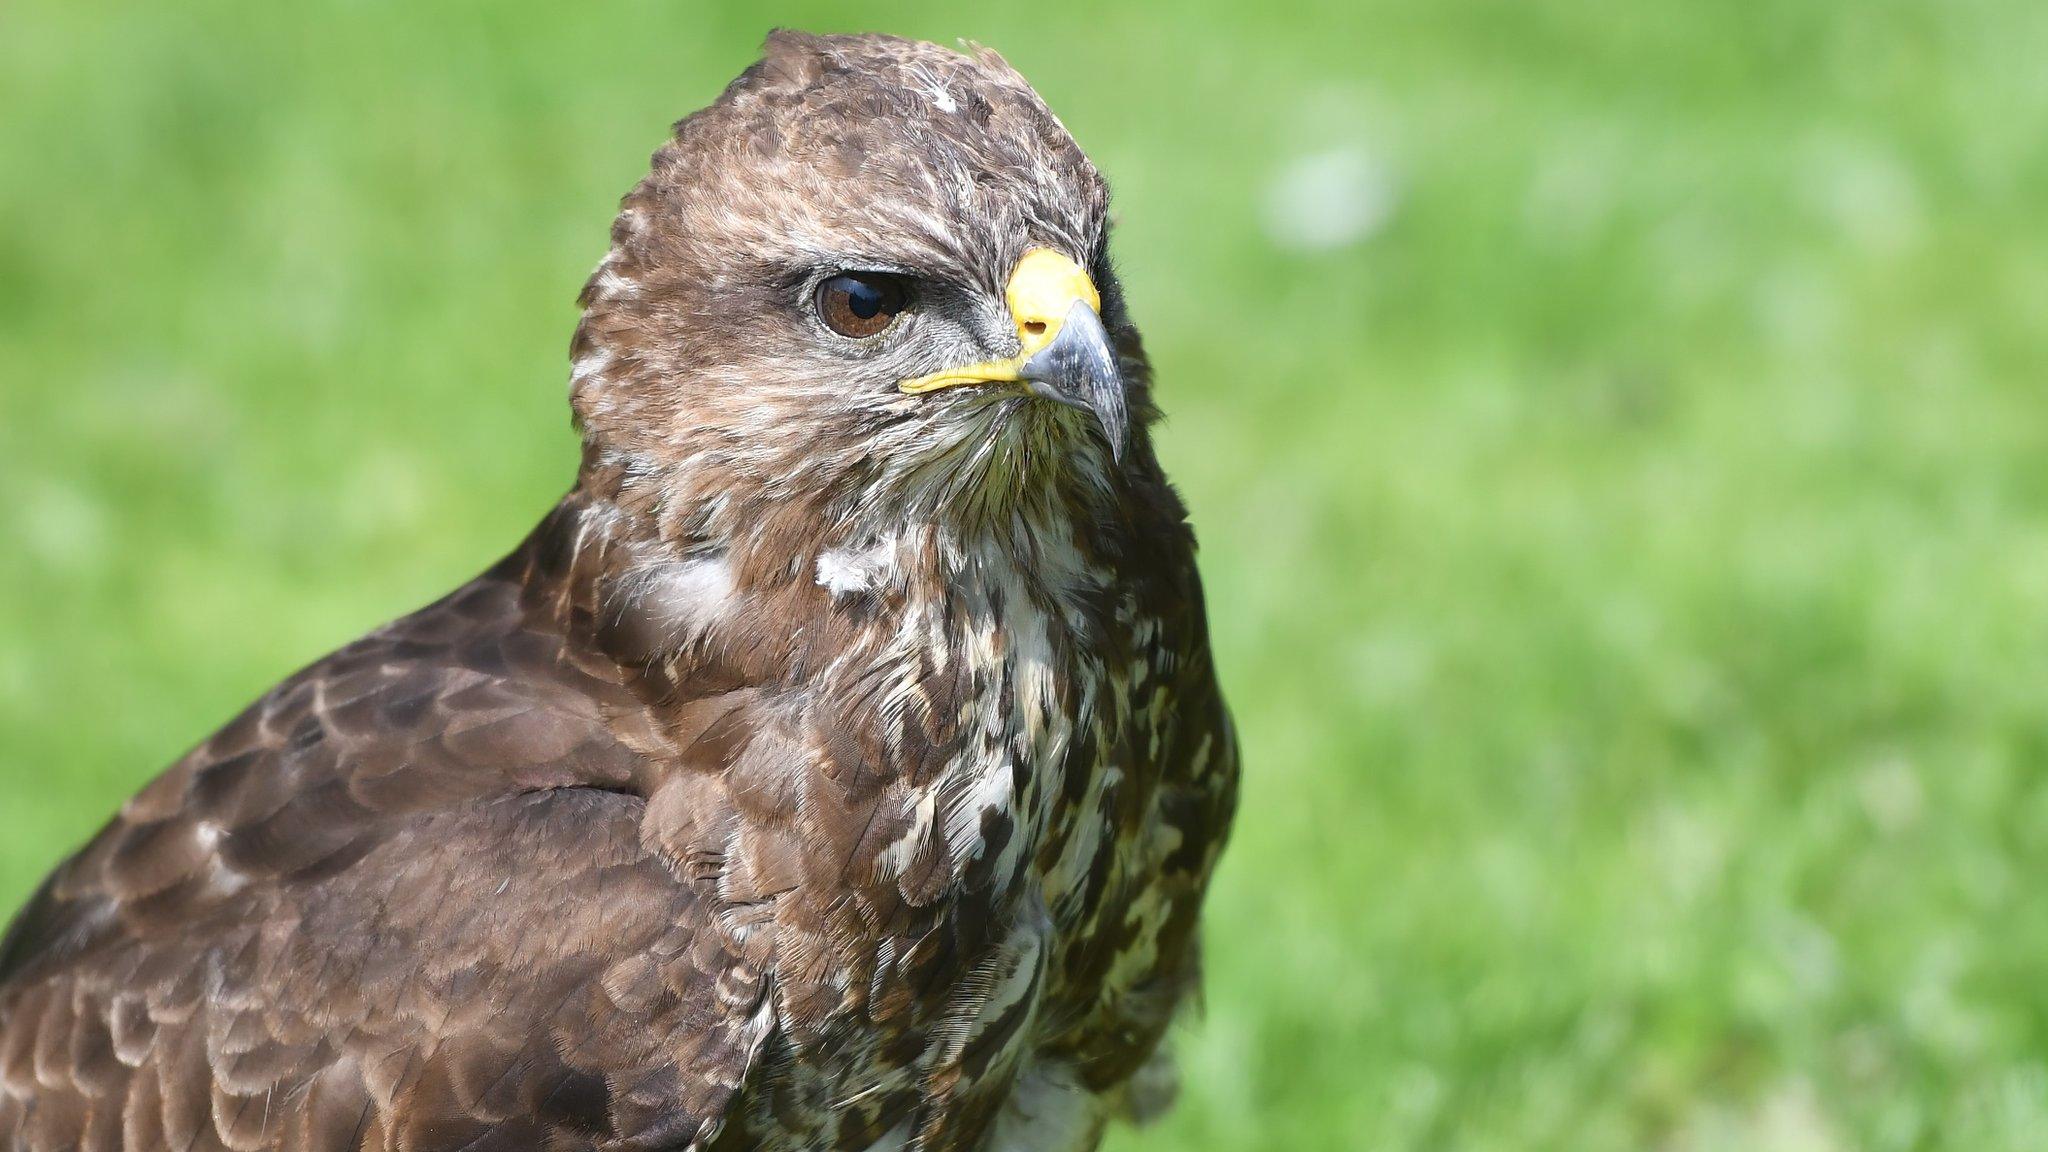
x,y
1617,433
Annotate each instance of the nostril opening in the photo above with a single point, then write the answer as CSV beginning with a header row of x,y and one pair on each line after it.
x,y
1034,327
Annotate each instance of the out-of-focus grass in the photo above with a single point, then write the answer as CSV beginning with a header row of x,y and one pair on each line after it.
x,y
1628,554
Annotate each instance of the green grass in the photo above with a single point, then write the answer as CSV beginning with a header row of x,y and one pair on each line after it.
x,y
1629,563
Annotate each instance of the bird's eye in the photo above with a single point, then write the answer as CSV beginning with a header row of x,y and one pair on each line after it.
x,y
859,304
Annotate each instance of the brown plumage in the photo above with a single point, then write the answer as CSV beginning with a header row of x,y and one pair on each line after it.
x,y
839,766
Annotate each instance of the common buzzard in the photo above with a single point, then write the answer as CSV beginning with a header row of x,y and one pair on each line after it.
x,y
838,766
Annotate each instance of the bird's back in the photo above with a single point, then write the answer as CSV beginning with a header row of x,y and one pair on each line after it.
x,y
406,887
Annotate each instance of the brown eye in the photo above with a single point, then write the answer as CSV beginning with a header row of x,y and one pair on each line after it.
x,y
861,304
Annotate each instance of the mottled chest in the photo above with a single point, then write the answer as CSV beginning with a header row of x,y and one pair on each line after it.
x,y
1005,922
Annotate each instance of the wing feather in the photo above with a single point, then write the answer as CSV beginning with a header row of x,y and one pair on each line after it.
x,y
404,901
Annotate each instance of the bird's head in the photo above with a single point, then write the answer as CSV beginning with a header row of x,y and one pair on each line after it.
x,y
870,280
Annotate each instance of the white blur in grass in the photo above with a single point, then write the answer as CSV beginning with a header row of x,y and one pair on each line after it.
x,y
1332,199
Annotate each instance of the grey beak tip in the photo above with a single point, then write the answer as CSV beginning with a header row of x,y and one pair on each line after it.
x,y
1079,369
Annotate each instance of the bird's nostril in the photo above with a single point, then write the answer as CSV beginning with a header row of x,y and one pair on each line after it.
x,y
1034,327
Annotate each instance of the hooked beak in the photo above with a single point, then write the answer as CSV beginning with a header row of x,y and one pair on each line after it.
x,y
1066,355
1078,369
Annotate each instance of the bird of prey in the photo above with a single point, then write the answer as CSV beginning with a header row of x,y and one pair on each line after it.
x,y
839,766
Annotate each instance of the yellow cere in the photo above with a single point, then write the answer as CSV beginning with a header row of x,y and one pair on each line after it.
x,y
1043,287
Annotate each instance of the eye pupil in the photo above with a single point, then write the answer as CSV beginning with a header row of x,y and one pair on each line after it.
x,y
865,301
861,303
